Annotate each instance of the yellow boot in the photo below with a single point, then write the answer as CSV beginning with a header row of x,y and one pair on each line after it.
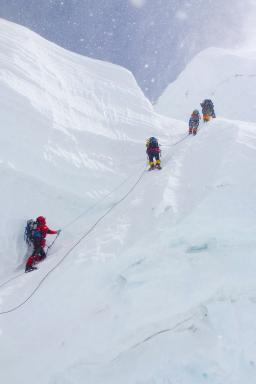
x,y
158,166
151,165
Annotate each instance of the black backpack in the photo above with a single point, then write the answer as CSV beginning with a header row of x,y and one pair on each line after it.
x,y
208,103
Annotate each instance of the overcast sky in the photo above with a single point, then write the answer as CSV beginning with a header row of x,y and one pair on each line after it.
x,y
155,39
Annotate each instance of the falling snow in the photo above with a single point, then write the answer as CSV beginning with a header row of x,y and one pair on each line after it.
x,y
163,33
138,3
181,15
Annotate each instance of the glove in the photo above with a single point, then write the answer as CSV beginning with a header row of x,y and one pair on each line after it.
x,y
58,232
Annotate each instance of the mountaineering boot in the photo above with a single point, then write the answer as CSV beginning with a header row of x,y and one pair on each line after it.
x,y
30,268
206,118
30,264
151,165
158,166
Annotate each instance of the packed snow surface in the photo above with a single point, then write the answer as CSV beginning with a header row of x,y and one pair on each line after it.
x,y
162,290
228,77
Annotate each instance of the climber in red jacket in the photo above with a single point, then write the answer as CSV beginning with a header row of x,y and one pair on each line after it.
x,y
38,236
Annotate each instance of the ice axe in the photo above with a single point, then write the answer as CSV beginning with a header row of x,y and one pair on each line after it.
x,y
49,246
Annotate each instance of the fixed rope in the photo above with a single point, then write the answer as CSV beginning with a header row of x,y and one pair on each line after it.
x,y
76,219
75,245
82,237
12,278
98,202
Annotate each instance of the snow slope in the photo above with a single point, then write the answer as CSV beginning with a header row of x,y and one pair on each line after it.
x,y
72,129
227,77
162,290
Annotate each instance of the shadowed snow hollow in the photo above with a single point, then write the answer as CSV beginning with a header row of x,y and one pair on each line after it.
x,y
227,77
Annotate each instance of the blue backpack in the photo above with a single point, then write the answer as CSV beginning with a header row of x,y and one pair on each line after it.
x,y
31,233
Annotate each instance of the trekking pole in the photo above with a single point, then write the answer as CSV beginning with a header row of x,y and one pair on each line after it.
x,y
49,246
147,161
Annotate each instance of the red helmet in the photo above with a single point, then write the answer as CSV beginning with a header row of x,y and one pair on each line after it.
x,y
41,220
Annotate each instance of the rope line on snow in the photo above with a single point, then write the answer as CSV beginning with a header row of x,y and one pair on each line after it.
x,y
12,278
177,142
92,207
75,245
98,202
114,190
76,219
81,238
173,328
201,312
169,157
161,332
